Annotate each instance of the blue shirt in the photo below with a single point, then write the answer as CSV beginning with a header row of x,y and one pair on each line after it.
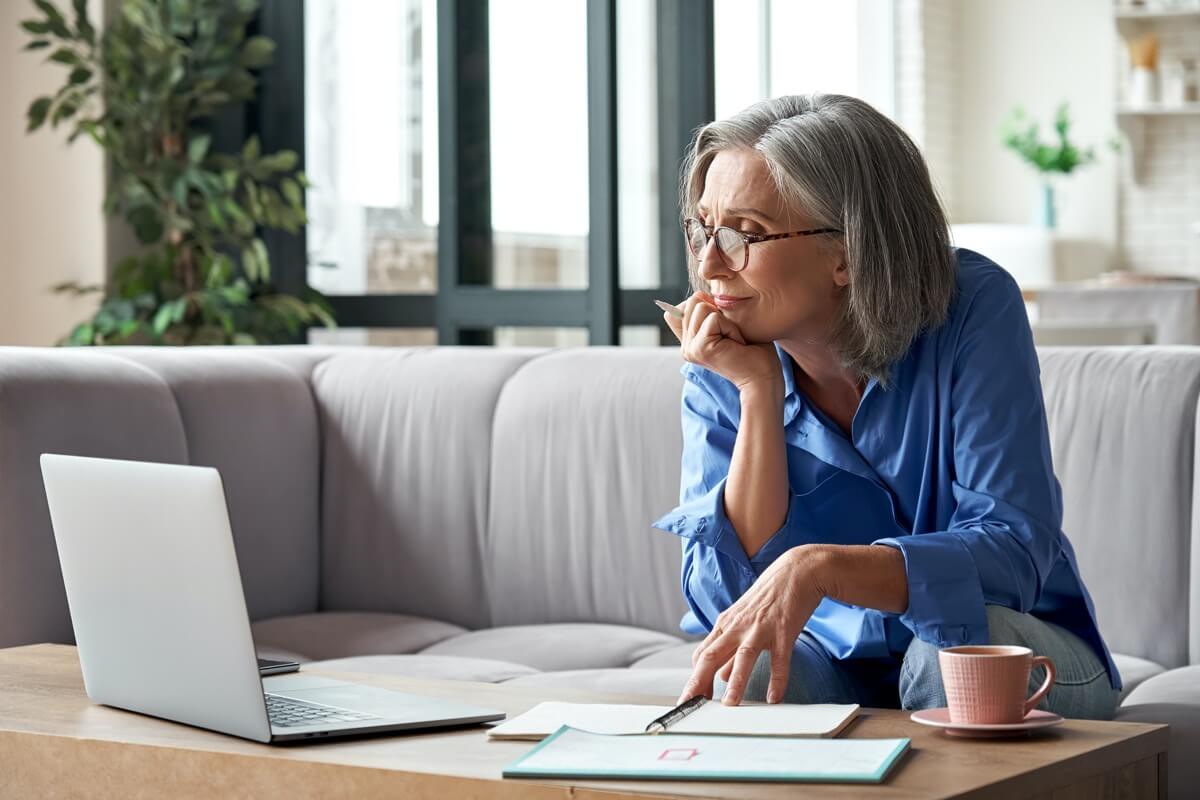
x,y
950,464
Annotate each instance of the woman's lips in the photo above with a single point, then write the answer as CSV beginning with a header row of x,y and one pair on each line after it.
x,y
727,301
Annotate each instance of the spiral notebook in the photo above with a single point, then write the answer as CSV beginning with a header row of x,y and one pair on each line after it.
x,y
571,753
713,718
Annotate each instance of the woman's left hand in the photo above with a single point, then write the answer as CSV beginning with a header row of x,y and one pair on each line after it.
x,y
769,616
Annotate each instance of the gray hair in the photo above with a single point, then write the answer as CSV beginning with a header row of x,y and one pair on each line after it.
x,y
849,167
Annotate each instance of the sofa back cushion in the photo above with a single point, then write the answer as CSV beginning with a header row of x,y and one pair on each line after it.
x,y
253,418
1122,431
78,403
406,438
585,455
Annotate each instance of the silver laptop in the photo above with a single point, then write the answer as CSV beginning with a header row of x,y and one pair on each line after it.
x,y
160,618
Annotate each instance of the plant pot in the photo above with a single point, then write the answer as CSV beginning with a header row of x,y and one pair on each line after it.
x,y
1044,213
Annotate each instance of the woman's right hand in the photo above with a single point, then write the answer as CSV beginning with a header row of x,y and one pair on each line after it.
x,y
708,338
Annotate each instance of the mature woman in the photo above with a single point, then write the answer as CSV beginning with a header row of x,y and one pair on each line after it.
x,y
866,469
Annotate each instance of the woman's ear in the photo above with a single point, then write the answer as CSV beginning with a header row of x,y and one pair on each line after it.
x,y
841,273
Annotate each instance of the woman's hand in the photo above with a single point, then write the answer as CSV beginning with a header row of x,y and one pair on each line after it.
x,y
711,340
769,616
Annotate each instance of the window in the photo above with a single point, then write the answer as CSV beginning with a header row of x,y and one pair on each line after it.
x,y
776,47
371,145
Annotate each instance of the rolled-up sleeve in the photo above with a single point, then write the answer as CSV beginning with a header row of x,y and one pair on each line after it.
x,y
1004,534
716,570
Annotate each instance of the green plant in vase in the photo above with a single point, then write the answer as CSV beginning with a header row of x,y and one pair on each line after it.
x,y
141,90
1058,157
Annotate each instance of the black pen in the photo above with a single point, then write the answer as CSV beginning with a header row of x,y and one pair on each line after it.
x,y
675,714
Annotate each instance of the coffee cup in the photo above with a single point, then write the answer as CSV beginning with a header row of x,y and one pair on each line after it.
x,y
989,684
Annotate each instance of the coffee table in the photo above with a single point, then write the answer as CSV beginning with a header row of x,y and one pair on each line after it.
x,y
55,743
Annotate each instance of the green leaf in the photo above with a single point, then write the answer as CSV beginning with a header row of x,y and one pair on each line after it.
x,y
162,318
250,263
257,52
251,150
264,261
82,26
79,75
36,27
37,44
282,161
198,147
291,191
65,55
54,18
244,339
36,114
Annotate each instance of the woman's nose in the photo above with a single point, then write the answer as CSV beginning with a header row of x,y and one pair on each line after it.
x,y
713,262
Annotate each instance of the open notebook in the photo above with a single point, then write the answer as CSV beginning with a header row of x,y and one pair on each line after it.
x,y
779,719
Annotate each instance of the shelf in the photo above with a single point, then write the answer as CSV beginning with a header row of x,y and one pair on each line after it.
x,y
1158,111
1131,23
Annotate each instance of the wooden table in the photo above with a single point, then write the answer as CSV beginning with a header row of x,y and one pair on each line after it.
x,y
55,743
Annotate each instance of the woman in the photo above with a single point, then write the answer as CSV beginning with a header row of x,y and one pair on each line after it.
x,y
866,470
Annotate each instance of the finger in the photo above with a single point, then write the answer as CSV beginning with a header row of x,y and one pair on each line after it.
x,y
675,324
693,687
781,661
706,663
739,676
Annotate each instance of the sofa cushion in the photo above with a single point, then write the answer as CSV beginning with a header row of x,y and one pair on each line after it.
x,y
1180,685
677,657
77,401
1134,671
1183,768
254,420
453,668
1122,429
558,647
406,453
341,634
585,455
659,685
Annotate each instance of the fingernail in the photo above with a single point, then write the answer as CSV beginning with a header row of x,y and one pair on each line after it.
x,y
773,697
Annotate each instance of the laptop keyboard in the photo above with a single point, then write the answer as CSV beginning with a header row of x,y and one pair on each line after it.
x,y
284,712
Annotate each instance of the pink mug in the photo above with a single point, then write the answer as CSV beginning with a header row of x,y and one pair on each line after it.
x,y
987,684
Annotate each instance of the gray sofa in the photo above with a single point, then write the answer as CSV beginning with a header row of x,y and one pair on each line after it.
x,y
484,514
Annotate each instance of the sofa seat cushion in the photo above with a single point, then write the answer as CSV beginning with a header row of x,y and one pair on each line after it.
x,y
1134,671
451,668
1183,768
1180,685
677,657
659,685
558,646
340,634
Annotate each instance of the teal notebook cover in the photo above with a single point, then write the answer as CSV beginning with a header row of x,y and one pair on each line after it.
x,y
572,753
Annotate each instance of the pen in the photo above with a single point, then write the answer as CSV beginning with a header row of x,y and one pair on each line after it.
x,y
675,714
670,309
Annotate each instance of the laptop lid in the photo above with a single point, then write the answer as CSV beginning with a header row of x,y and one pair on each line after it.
x,y
154,591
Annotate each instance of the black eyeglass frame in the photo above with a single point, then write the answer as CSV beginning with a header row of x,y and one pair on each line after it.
x,y
747,239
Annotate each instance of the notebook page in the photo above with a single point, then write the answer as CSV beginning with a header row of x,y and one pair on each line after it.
x,y
545,718
777,719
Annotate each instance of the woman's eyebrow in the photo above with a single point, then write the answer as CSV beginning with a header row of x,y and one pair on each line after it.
x,y
744,213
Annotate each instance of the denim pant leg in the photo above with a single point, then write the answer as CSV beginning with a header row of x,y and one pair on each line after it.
x,y
1082,689
815,676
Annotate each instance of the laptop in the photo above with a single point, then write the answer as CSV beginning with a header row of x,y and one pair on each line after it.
x,y
160,619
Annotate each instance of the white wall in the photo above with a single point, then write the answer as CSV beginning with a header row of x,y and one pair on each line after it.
x,y
51,225
1036,54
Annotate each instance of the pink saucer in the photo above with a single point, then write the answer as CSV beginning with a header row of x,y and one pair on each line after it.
x,y
940,718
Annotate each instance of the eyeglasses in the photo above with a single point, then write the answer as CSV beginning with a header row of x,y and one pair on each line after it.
x,y
734,244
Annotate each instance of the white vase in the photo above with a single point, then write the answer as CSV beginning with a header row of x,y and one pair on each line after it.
x,y
1143,87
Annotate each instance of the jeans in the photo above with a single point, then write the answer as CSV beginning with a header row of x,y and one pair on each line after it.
x,y
1082,689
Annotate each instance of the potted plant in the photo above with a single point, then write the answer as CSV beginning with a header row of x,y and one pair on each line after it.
x,y
1061,157
142,90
